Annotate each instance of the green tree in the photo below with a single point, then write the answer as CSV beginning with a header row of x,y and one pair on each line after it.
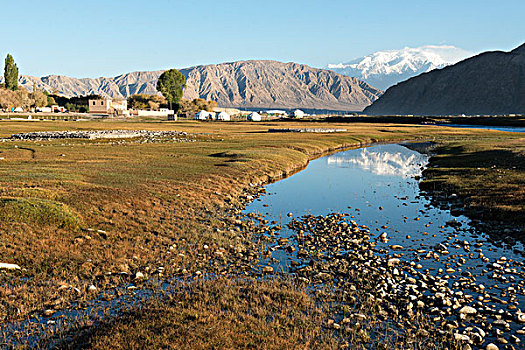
x,y
50,101
170,84
10,73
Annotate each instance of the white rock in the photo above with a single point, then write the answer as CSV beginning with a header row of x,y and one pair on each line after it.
x,y
501,323
139,275
48,312
9,266
481,332
491,346
461,337
392,262
468,310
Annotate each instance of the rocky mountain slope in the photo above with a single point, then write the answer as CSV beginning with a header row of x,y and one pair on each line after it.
x,y
490,83
383,69
264,84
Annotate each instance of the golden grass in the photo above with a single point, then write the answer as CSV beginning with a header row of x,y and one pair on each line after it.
x,y
218,314
488,173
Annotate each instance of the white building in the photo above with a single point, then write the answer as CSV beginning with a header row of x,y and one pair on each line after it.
x,y
223,116
202,115
298,114
277,112
254,117
44,109
205,115
163,112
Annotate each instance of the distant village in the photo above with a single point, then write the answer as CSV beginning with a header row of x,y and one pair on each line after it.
x,y
119,108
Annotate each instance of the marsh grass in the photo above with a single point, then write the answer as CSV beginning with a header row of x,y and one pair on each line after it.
x,y
217,314
488,174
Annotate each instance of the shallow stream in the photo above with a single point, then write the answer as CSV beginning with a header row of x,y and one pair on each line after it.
x,y
378,186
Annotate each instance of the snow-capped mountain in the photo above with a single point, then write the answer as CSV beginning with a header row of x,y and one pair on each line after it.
x,y
383,69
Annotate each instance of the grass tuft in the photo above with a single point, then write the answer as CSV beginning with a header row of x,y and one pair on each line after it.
x,y
37,211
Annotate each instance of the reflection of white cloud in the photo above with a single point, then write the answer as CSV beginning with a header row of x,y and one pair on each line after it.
x,y
383,162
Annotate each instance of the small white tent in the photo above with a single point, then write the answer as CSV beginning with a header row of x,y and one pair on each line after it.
x,y
223,116
202,115
298,114
254,117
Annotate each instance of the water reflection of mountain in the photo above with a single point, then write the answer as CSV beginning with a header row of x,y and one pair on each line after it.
x,y
401,162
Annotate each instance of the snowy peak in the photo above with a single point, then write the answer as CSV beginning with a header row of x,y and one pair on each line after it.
x,y
383,69
491,83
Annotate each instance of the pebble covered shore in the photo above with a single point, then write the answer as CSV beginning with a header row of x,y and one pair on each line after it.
x,y
94,134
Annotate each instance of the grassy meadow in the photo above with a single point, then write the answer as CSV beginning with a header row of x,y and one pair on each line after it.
x,y
107,213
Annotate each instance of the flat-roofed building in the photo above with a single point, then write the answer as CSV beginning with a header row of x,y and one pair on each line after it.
x,y
108,106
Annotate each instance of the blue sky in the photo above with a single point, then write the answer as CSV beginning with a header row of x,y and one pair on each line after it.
x,y
105,38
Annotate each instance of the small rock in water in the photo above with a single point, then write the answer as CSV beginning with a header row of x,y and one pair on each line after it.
x,y
392,262
491,346
515,339
397,247
461,337
139,275
48,312
467,310
500,323
267,269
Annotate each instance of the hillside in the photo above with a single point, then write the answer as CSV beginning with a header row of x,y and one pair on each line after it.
x,y
264,84
490,83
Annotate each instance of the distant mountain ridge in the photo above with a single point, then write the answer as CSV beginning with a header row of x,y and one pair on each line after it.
x,y
264,84
491,83
383,69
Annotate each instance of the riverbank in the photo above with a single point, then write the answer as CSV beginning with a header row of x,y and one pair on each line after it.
x,y
483,179
145,210
514,121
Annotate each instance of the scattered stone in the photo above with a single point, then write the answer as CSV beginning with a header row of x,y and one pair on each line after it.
x,y
95,134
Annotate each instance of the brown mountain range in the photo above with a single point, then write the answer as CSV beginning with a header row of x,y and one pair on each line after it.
x,y
491,83
259,84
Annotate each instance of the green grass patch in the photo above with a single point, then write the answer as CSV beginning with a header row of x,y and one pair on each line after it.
x,y
38,211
